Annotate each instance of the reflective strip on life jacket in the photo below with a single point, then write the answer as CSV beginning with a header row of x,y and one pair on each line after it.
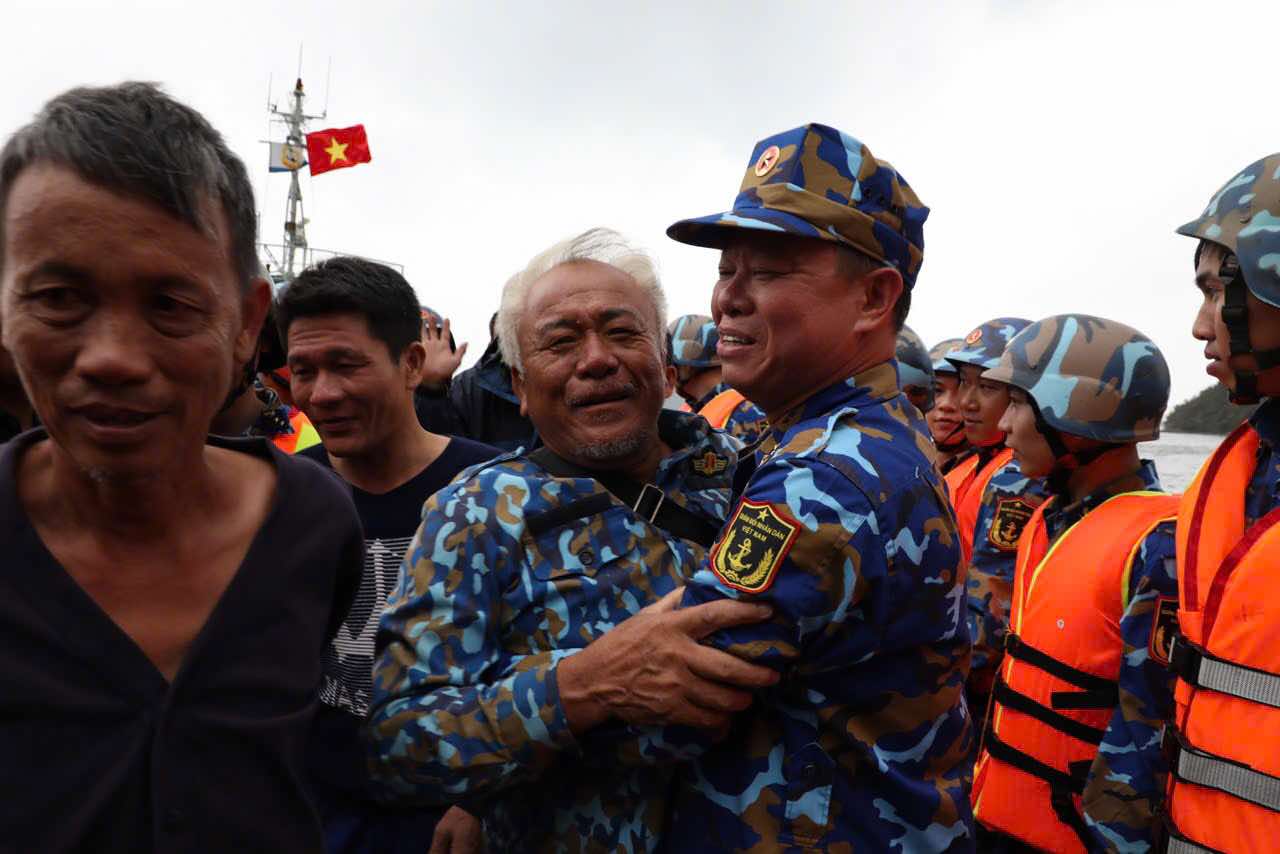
x,y
966,483
1056,691
1224,792
719,408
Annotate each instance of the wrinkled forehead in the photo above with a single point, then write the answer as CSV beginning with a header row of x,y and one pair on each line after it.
x,y
586,293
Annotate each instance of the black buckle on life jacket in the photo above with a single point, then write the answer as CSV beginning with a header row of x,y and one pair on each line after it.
x,y
1184,659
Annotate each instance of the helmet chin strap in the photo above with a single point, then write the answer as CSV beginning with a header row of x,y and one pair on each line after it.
x,y
1235,316
1066,462
950,442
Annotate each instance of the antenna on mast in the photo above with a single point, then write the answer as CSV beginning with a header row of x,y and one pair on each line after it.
x,y
328,75
270,82
299,60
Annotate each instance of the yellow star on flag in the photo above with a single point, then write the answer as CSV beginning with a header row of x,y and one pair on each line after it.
x,y
336,150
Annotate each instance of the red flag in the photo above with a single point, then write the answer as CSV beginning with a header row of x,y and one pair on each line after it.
x,y
337,148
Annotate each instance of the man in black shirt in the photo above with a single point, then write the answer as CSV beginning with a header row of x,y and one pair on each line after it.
x,y
165,599
352,331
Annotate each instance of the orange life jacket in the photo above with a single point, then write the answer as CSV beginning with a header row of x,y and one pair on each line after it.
x,y
719,408
1224,746
1056,691
966,483
304,435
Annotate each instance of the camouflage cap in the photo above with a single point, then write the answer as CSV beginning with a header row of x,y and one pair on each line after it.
x,y
983,346
693,341
1089,377
939,352
914,365
1244,218
816,181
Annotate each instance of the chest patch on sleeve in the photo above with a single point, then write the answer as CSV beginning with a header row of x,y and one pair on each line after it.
x,y
1010,518
755,542
1164,625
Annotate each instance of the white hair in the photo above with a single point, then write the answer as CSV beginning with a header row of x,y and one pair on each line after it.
x,y
598,244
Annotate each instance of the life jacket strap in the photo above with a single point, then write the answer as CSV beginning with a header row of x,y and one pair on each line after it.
x,y
1063,787
1019,702
1191,765
1101,693
1199,668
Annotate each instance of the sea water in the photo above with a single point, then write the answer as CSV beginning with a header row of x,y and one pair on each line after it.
x,y
1178,456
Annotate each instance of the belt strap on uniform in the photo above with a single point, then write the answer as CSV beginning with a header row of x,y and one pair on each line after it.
x,y
1096,693
1199,668
645,500
1190,765
1011,699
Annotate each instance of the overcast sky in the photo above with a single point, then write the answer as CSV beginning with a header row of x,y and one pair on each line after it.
x,y
1057,143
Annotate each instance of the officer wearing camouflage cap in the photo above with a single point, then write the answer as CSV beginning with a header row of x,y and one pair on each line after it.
x,y
1225,737
945,420
1083,690
699,381
844,529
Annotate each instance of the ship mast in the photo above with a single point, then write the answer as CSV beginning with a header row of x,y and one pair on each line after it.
x,y
295,224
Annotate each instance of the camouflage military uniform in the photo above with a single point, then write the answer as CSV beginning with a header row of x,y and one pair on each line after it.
x,y
693,341
747,423
1263,493
511,571
1126,781
845,530
1007,503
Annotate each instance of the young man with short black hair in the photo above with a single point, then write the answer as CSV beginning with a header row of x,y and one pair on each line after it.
x,y
353,332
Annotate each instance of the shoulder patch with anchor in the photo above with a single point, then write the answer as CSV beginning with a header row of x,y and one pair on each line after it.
x,y
756,540
1164,626
1010,518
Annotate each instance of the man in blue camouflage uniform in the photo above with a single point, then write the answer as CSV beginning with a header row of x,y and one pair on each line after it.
x,y
522,562
844,529
1074,421
1003,506
700,381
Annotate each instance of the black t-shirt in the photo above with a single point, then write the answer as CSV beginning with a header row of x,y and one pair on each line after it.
x,y
389,521
101,753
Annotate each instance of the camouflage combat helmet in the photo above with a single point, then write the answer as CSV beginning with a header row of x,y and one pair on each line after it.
x,y
939,353
915,368
816,181
1243,217
982,347
1089,377
693,341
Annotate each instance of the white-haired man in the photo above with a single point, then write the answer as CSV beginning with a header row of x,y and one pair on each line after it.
x,y
526,560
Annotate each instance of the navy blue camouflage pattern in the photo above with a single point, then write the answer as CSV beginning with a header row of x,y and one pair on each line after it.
x,y
865,744
512,570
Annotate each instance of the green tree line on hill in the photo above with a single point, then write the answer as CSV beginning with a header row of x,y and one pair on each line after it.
x,y
1208,412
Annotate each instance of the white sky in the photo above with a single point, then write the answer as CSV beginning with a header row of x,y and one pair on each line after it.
x,y
1058,143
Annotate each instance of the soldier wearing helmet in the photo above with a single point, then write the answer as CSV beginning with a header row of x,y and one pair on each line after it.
x,y
699,380
1082,691
993,499
915,369
982,402
1224,741
945,420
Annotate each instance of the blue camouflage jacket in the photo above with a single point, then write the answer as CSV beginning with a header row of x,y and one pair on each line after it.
x,y
512,570
746,423
1007,504
1126,782
846,531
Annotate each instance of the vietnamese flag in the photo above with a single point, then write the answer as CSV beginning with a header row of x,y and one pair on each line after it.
x,y
337,148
